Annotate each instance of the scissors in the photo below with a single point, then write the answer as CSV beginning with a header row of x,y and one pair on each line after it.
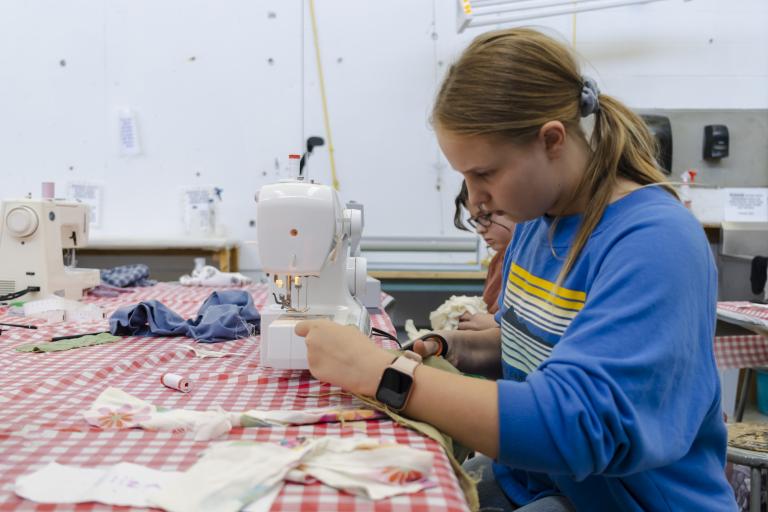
x,y
442,343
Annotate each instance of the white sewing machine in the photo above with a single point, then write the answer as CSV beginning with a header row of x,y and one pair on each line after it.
x,y
304,238
33,235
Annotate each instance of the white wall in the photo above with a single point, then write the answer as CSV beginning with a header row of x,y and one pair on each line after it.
x,y
213,109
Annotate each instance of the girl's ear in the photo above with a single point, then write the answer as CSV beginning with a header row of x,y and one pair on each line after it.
x,y
552,137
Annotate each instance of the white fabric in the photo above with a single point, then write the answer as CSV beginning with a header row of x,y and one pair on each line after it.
x,y
228,477
116,409
367,468
58,309
238,474
413,332
203,353
231,475
446,316
211,276
122,484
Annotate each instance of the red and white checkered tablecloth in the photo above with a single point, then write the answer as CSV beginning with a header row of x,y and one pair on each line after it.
x,y
746,308
741,351
42,395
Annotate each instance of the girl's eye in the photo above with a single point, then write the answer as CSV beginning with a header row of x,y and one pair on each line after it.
x,y
485,174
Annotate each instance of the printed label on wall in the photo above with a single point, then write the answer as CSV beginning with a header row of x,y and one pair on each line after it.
x,y
746,205
90,194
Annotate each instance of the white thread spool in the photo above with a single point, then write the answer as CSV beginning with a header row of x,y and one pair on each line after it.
x,y
176,382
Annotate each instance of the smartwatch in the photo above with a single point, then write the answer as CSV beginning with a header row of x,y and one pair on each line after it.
x,y
397,381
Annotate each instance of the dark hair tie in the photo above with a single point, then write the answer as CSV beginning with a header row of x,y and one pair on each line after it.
x,y
590,102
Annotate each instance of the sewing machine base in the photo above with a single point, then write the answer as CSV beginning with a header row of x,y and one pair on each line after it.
x,y
281,348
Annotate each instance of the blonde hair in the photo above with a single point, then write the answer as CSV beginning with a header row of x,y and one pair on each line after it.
x,y
508,83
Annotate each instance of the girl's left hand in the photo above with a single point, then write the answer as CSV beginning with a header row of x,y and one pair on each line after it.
x,y
343,356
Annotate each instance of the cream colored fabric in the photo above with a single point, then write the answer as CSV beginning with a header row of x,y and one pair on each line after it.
x,y
446,317
232,475
211,276
114,409
238,474
455,452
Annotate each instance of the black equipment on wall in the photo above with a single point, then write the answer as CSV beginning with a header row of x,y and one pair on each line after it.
x,y
715,141
661,129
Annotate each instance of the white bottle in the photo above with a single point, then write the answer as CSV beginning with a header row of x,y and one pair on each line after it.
x,y
687,177
294,162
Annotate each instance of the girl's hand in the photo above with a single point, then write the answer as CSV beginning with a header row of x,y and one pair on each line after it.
x,y
476,322
429,346
343,356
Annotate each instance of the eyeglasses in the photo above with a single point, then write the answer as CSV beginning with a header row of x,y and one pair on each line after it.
x,y
484,220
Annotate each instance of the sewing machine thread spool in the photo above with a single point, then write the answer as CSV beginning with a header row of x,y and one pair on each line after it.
x,y
48,190
177,382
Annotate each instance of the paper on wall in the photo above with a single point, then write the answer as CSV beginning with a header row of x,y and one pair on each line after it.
x,y
745,204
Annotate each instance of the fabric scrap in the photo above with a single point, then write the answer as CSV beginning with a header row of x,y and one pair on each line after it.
x,y
123,484
446,316
127,275
455,452
69,344
107,290
211,276
248,472
115,409
236,474
413,332
203,353
225,315
58,309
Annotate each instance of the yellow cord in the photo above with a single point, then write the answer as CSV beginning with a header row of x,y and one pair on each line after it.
x,y
326,121
573,29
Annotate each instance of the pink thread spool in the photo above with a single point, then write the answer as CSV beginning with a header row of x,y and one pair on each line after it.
x,y
177,382
49,189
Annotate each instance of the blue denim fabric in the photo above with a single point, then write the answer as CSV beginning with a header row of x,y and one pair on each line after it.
x,y
493,499
225,315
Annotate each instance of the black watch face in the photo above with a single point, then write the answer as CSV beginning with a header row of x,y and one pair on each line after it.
x,y
393,388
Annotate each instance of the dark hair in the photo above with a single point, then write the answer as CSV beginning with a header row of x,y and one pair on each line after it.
x,y
460,202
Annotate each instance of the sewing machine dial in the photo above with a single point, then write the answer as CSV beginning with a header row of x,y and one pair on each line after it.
x,y
22,221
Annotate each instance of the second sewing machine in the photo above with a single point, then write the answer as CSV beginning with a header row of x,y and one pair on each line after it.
x,y
34,234
306,241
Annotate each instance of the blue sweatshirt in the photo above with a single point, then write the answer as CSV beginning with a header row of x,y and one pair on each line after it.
x,y
610,393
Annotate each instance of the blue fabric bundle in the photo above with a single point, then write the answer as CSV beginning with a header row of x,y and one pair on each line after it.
x,y
225,315
127,275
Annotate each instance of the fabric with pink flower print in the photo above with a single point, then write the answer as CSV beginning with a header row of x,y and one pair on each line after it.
x,y
124,416
116,409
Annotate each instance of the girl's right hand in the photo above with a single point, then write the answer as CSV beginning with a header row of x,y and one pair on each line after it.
x,y
427,347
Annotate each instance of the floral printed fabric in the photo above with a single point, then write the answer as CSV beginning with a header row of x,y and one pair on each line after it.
x,y
239,475
248,473
116,409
